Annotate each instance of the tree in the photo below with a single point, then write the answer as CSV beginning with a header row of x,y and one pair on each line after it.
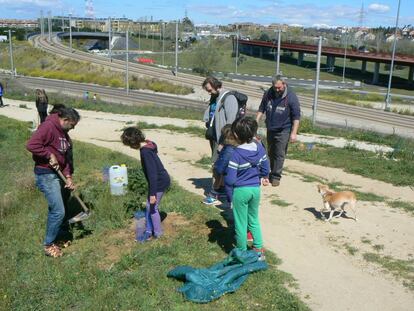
x,y
188,25
264,37
205,57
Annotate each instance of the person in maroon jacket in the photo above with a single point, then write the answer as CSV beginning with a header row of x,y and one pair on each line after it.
x,y
51,148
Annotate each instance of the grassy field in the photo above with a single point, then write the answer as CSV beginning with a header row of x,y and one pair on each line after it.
x,y
104,269
34,62
357,99
15,90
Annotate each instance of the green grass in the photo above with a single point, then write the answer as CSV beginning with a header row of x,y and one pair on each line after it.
x,y
34,62
192,130
365,240
402,145
15,90
355,99
378,247
351,249
180,149
279,202
406,206
135,277
23,106
360,162
204,162
402,269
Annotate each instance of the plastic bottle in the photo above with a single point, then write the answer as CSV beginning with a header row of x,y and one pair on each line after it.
x,y
118,179
139,228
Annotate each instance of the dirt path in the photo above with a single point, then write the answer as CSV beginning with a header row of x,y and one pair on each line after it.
x,y
315,252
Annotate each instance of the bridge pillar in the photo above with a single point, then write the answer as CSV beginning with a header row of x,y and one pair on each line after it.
x,y
364,66
261,52
375,78
300,58
251,50
411,74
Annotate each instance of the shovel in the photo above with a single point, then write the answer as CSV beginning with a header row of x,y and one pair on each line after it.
x,y
82,215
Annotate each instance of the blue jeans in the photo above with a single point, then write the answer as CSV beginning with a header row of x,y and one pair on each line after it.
x,y
54,191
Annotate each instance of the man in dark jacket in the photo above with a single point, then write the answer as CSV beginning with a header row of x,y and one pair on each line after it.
x,y
51,148
282,109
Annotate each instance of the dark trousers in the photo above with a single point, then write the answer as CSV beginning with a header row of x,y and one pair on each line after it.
x,y
1,101
277,144
42,115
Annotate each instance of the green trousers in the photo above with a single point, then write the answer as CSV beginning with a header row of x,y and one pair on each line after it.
x,y
246,216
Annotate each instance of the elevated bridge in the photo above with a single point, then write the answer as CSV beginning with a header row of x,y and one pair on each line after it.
x,y
261,48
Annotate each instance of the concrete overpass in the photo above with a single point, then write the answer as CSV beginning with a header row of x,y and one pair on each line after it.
x,y
262,48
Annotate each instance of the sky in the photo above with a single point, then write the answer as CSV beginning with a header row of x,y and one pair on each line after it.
x,y
306,13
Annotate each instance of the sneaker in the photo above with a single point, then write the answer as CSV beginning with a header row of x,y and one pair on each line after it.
x,y
275,183
64,243
260,253
147,236
211,201
249,237
53,250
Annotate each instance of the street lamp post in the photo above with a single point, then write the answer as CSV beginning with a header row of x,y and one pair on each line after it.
x,y
70,32
42,26
127,62
176,48
237,49
11,54
318,69
49,26
279,35
346,45
388,96
110,39
163,43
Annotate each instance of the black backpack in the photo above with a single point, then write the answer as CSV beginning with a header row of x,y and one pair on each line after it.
x,y
241,101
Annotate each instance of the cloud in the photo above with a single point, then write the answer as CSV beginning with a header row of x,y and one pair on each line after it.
x,y
280,12
378,8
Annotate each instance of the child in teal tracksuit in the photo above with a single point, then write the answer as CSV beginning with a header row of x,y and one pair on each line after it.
x,y
247,166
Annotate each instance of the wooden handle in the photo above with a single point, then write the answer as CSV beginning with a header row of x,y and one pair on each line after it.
x,y
85,209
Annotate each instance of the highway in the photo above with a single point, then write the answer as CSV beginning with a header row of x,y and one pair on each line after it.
x,y
343,111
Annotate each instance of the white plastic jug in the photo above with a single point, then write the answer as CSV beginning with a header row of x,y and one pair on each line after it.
x,y
118,179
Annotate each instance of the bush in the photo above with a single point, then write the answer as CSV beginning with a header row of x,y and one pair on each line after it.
x,y
138,189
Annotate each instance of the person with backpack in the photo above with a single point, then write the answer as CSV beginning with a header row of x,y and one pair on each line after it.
x,y
1,95
41,104
223,109
282,109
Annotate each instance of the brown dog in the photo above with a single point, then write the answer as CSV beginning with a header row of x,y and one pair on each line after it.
x,y
333,201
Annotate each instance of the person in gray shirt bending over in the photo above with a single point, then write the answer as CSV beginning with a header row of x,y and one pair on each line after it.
x,y
282,109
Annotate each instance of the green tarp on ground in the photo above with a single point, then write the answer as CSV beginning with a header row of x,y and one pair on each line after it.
x,y
205,285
